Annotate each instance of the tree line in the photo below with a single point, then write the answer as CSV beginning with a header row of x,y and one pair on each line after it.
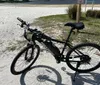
x,y
14,0
17,0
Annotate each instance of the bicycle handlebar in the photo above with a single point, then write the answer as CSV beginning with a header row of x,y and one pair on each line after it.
x,y
22,21
37,33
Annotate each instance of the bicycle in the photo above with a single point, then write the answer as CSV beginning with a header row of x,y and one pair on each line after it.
x,y
81,58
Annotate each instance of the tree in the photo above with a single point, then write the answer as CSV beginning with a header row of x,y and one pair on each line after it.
x,y
25,0
11,0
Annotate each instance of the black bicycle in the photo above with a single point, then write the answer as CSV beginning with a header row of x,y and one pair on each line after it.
x,y
80,58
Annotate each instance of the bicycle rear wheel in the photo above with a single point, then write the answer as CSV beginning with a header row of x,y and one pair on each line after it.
x,y
25,58
84,57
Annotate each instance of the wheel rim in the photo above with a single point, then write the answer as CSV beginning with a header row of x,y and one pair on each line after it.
x,y
91,62
23,63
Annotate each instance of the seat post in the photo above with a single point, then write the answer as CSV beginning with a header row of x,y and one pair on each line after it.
x,y
67,39
69,34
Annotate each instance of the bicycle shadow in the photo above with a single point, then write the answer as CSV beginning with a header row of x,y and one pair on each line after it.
x,y
41,75
91,78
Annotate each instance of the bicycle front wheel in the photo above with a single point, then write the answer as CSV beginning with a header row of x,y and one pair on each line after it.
x,y
25,58
84,57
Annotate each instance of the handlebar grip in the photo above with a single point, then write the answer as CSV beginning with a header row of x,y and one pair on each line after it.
x,y
20,19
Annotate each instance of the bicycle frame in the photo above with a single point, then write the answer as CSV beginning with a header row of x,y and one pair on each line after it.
x,y
39,36
76,56
58,57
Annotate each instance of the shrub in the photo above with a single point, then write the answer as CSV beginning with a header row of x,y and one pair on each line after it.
x,y
93,13
72,10
89,13
98,14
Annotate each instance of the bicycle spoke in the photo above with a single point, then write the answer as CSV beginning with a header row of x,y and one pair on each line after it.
x,y
87,55
20,63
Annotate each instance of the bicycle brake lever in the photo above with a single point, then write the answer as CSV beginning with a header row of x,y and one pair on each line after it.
x,y
20,25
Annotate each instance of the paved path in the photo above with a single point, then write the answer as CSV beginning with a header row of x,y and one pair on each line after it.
x,y
54,74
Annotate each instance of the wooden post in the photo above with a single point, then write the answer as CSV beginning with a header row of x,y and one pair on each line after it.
x,y
78,15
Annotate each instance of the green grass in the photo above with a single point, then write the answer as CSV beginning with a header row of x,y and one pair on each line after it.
x,y
91,32
48,21
16,46
54,26
11,48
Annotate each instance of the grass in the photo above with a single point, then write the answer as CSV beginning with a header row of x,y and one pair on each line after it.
x,y
16,46
11,48
54,26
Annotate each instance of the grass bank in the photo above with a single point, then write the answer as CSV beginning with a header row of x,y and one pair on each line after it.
x,y
54,26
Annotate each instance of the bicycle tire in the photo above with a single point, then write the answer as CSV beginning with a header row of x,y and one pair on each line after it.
x,y
91,59
20,54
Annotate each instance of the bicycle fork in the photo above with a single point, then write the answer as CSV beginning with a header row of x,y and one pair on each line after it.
x,y
29,55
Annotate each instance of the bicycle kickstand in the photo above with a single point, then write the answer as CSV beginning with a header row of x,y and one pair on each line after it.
x,y
76,72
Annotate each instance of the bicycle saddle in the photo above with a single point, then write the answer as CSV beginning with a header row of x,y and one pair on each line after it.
x,y
78,26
